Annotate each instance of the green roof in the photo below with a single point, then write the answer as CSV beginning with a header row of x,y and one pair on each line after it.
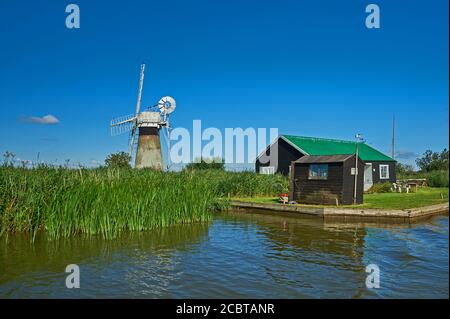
x,y
322,146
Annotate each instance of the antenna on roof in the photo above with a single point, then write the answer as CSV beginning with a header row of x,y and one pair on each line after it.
x,y
393,136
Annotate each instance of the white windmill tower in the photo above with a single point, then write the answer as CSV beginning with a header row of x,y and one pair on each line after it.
x,y
148,123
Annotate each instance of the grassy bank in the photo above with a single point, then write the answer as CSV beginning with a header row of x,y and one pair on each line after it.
x,y
423,197
64,202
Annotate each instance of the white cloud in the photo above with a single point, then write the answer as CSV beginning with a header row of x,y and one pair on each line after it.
x,y
45,120
94,162
405,154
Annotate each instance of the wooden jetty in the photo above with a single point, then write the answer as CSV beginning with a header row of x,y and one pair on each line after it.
x,y
325,212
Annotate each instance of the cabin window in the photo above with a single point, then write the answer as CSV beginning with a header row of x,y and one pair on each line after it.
x,y
318,171
384,171
267,170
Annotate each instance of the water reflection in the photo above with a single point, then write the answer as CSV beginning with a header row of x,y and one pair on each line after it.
x,y
313,258
39,265
412,256
250,255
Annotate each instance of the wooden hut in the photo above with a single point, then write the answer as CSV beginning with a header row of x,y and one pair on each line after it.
x,y
328,179
277,158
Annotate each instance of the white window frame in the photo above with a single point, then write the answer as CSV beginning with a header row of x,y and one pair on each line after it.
x,y
267,170
387,171
320,167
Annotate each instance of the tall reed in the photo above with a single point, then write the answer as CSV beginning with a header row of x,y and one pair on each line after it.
x,y
106,202
66,202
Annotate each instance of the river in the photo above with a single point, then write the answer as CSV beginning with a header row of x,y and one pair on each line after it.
x,y
237,255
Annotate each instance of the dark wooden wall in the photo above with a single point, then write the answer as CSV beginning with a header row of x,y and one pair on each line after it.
x,y
339,184
286,154
376,172
318,191
349,182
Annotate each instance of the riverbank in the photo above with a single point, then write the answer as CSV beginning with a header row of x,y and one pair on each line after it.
x,y
63,202
425,202
346,212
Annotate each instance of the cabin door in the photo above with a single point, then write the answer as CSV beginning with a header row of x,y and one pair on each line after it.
x,y
368,181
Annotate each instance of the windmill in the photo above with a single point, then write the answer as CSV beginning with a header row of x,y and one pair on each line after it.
x,y
147,124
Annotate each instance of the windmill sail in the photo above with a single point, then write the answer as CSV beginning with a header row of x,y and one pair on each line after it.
x,y
122,124
138,107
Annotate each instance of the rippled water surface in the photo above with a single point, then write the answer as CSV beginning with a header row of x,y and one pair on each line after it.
x,y
237,256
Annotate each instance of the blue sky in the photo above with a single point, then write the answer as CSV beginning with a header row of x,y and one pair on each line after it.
x,y
306,67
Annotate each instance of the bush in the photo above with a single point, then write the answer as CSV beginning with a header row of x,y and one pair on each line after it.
x,y
244,184
380,188
438,179
205,164
118,160
405,171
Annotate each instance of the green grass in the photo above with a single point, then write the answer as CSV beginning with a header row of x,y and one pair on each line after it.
x,y
423,197
64,202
